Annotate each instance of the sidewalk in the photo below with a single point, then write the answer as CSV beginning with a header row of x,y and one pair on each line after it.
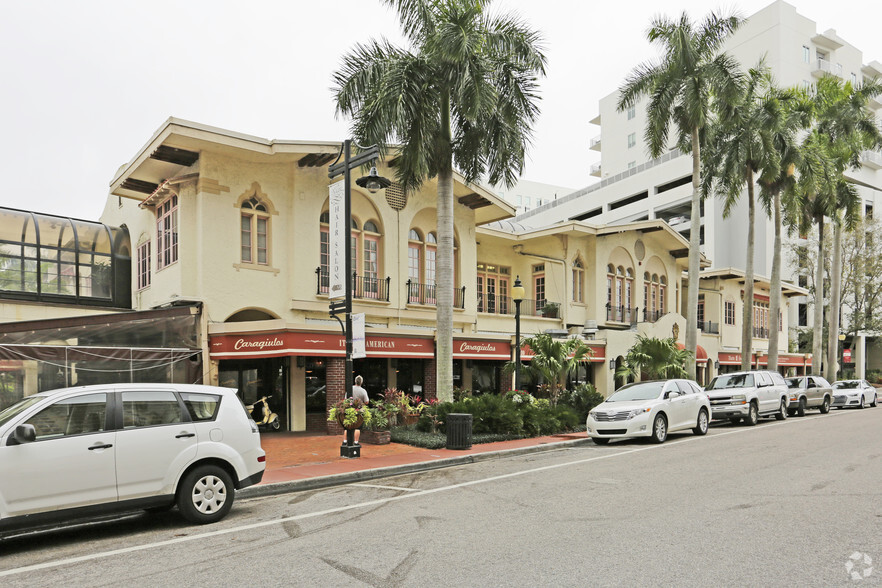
x,y
306,461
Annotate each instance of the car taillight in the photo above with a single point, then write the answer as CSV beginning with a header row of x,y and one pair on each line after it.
x,y
261,459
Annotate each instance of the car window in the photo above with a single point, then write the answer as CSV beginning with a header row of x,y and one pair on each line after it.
x,y
148,409
821,382
763,379
685,387
778,379
637,391
733,381
202,407
10,412
71,416
793,382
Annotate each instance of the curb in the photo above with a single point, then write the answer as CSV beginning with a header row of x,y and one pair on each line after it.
x,y
319,482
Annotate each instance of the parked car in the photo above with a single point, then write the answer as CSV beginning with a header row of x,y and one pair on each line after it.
x,y
89,450
650,409
748,395
809,392
854,393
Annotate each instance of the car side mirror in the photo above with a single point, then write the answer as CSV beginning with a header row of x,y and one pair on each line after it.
x,y
672,394
23,434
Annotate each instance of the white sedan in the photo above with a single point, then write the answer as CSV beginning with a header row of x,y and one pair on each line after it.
x,y
855,393
650,409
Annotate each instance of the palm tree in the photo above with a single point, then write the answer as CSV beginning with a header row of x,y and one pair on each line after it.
x,y
463,93
778,183
691,77
743,146
843,117
552,360
656,358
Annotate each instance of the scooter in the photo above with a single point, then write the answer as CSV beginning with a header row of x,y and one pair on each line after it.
x,y
270,419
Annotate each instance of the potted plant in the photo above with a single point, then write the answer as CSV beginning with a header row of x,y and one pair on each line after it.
x,y
551,310
377,431
350,413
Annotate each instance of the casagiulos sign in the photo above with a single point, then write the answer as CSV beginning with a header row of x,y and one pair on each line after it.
x,y
314,344
465,349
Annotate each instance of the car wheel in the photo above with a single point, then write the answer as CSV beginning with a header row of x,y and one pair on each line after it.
x,y
206,495
800,410
825,406
600,440
735,420
752,417
863,403
782,411
873,404
701,426
791,412
659,429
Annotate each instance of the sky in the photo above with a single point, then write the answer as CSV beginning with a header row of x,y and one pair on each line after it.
x,y
85,84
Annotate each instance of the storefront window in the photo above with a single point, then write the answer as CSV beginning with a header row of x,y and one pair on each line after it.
x,y
316,385
256,378
485,377
410,376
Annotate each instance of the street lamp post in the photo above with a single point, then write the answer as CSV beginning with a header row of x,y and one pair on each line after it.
x,y
517,296
373,183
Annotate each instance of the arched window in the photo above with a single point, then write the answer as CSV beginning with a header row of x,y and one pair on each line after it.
x,y
619,293
364,245
578,281
421,257
255,231
654,296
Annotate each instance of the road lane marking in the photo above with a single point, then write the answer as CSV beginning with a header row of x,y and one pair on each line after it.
x,y
381,501
385,487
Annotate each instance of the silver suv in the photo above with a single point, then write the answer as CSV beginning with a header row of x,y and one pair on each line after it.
x,y
746,396
809,392
89,450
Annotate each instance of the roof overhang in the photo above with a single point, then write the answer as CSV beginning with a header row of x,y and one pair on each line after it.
x,y
172,154
787,289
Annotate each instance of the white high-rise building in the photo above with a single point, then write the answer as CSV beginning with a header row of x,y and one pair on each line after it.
x,y
635,187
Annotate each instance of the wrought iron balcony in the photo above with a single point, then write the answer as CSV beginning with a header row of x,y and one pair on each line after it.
x,y
367,287
651,316
760,333
425,294
709,327
621,314
494,304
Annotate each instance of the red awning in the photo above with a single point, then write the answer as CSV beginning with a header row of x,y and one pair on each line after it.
x,y
476,349
284,343
700,353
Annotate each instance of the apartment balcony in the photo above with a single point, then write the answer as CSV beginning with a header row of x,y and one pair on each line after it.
x,y
871,159
651,316
424,294
595,170
760,333
828,39
709,328
595,143
365,287
824,67
494,304
621,314
875,103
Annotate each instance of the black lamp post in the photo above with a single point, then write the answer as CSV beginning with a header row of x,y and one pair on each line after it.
x,y
373,183
517,296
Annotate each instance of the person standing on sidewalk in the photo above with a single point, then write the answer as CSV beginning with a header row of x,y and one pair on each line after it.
x,y
358,393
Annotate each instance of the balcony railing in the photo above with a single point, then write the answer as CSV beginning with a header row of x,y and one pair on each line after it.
x,y
425,294
505,305
826,67
709,327
595,170
368,287
621,314
871,159
651,316
760,333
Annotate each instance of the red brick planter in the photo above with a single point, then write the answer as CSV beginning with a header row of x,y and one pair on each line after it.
x,y
376,437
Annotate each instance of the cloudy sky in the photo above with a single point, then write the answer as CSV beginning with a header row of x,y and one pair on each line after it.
x,y
85,84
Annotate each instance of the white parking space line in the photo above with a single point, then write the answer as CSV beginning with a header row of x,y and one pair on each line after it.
x,y
386,487
370,503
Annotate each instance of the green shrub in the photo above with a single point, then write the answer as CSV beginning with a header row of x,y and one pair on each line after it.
x,y
581,400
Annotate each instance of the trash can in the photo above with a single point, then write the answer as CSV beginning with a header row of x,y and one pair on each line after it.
x,y
459,431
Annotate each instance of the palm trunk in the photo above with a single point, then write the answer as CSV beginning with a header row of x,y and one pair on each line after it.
x,y
817,328
775,293
831,370
445,278
691,339
747,306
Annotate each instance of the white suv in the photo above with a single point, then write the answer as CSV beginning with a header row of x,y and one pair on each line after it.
x,y
94,449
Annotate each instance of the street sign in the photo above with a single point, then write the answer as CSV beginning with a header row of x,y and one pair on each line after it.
x,y
337,307
358,347
337,240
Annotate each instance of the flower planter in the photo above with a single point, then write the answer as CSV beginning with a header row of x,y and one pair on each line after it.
x,y
411,419
376,437
356,425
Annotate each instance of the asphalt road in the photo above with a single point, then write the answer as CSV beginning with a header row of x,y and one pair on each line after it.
x,y
781,504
